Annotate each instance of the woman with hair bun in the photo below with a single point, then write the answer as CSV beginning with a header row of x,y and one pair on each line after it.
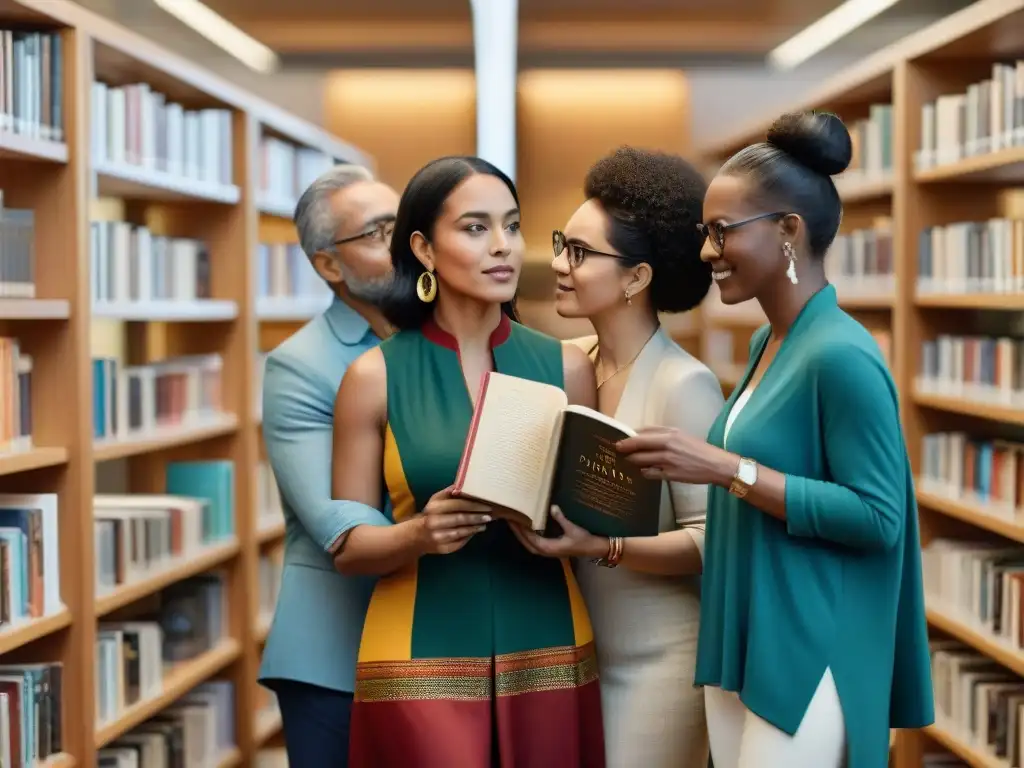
x,y
630,252
813,642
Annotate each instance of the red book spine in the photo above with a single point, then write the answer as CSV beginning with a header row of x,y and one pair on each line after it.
x,y
467,452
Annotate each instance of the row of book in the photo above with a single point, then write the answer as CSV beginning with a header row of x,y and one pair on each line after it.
x,y
286,170
17,248
283,270
987,117
31,714
268,497
15,396
972,257
872,145
139,535
271,566
32,83
136,401
135,125
132,656
860,263
978,471
29,557
129,263
977,583
982,368
194,732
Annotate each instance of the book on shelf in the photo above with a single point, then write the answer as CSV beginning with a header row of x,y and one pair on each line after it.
x,y
31,709
213,481
528,449
271,566
971,257
134,401
268,497
872,146
987,117
32,85
172,528
136,125
129,263
978,702
980,368
285,170
15,396
985,473
283,271
860,263
29,557
195,731
185,620
17,251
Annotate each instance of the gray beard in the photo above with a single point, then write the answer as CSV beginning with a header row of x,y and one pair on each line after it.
x,y
371,291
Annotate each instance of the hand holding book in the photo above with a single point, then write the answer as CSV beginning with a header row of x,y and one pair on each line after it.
x,y
665,453
448,522
574,541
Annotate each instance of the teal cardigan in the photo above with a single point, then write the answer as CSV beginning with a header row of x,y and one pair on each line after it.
x,y
838,584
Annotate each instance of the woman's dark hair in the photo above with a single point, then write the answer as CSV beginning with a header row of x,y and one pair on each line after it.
x,y
654,202
792,171
418,211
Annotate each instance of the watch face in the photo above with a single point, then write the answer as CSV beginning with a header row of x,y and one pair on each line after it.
x,y
747,472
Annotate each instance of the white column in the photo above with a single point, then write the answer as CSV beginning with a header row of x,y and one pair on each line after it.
x,y
495,48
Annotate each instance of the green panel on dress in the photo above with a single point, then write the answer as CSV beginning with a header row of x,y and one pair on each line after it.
x,y
492,597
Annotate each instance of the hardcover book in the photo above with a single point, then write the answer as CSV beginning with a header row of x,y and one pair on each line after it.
x,y
528,449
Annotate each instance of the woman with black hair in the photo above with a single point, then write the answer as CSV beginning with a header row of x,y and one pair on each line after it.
x,y
630,252
475,653
813,642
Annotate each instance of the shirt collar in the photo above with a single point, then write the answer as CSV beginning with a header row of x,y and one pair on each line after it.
x,y
348,325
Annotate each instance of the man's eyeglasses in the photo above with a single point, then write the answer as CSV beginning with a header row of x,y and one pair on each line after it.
x,y
381,233
577,253
715,232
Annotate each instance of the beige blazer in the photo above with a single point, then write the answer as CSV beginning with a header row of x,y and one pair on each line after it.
x,y
669,387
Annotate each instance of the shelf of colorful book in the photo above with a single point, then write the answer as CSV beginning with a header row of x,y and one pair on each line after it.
x,y
177,681
161,439
192,564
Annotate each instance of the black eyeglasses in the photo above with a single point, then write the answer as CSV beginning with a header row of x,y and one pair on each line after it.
x,y
576,252
715,232
381,233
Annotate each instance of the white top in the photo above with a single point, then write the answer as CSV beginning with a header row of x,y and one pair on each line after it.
x,y
741,401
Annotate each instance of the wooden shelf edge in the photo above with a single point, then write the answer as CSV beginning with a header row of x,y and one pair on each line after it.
x,y
13,462
195,311
1009,302
973,756
12,308
267,724
267,533
60,760
1004,655
230,758
970,514
127,180
30,630
29,148
975,167
120,448
193,565
181,679
979,410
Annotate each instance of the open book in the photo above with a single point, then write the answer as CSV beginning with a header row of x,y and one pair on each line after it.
x,y
527,449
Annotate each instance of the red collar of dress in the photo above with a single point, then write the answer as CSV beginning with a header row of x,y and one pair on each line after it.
x,y
435,333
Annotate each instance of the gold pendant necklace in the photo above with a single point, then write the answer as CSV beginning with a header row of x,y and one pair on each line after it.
x,y
623,367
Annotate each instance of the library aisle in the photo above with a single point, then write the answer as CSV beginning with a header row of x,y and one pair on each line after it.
x,y
147,261
931,260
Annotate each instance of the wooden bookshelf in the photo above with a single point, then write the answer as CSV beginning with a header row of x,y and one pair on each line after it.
x,y
945,58
64,326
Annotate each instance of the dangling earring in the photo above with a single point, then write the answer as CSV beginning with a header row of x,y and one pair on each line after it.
x,y
426,287
787,249
629,301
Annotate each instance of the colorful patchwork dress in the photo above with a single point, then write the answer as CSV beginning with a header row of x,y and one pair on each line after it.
x,y
482,658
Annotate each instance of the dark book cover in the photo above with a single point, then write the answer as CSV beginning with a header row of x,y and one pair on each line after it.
x,y
596,487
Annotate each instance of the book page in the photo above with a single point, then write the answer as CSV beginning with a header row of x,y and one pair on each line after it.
x,y
510,448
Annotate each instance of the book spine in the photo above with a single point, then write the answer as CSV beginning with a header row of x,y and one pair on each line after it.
x,y
460,476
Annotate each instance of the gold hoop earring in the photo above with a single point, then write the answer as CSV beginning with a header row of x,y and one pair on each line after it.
x,y
426,287
787,249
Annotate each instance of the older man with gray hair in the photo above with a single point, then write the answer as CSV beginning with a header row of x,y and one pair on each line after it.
x,y
344,221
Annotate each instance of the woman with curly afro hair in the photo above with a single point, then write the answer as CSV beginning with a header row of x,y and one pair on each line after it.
x,y
630,252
